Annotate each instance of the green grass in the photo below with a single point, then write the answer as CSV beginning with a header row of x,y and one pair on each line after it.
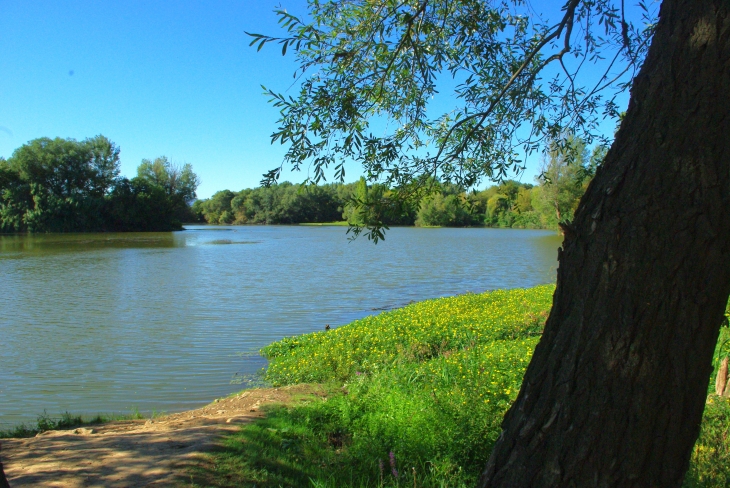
x,y
428,383
408,382
65,421
710,465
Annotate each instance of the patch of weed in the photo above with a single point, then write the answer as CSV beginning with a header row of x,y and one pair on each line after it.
x,y
65,421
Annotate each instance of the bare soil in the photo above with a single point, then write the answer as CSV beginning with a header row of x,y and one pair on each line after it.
x,y
135,453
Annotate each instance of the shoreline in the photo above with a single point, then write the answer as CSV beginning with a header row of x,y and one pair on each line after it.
x,y
138,452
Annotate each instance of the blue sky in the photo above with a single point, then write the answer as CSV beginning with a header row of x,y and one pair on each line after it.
x,y
156,77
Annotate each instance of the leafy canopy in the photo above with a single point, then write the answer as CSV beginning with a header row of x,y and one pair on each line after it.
x,y
65,185
177,180
370,72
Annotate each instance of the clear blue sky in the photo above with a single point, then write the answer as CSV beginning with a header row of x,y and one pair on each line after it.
x,y
156,77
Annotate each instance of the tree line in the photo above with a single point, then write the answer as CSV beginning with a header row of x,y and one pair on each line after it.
x,y
65,185
565,173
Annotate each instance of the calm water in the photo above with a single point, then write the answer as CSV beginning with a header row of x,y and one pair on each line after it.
x,y
101,323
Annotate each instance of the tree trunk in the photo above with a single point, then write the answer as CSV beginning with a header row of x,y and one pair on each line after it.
x,y
615,393
721,379
3,480
557,211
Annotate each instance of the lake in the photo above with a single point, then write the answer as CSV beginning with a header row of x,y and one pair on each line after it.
x,y
105,323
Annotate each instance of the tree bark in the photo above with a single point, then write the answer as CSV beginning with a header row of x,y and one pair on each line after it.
x,y
3,480
721,379
615,392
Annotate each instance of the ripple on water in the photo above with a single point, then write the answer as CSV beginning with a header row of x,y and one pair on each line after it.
x,y
102,323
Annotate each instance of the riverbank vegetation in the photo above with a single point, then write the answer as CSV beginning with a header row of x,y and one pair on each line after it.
x,y
64,185
65,421
417,396
565,174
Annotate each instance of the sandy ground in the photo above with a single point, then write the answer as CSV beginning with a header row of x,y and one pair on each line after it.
x,y
134,453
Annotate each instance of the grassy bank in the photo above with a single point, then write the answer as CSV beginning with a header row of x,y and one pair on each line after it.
x,y
66,420
416,399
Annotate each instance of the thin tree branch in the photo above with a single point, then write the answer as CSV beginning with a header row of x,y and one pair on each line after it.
x,y
567,21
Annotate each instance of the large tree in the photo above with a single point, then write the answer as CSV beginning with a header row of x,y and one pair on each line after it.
x,y
562,174
64,185
3,480
178,182
615,391
57,185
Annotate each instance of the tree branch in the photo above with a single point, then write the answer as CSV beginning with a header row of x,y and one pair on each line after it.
x,y
567,21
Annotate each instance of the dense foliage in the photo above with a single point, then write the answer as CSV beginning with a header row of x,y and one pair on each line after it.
x,y
566,172
278,204
428,383
64,185
371,76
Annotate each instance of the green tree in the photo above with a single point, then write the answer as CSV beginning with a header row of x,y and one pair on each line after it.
x,y
179,183
317,203
104,155
356,210
217,209
238,206
140,206
377,207
503,205
497,204
66,167
564,172
261,205
15,199
615,391
524,200
444,210
58,185
63,185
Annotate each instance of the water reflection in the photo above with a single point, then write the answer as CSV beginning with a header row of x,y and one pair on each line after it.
x,y
35,244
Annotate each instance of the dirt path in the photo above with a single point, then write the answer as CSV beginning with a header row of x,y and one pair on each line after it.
x,y
134,453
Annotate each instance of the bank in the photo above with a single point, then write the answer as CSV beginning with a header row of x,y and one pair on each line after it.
x,y
416,398
409,397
